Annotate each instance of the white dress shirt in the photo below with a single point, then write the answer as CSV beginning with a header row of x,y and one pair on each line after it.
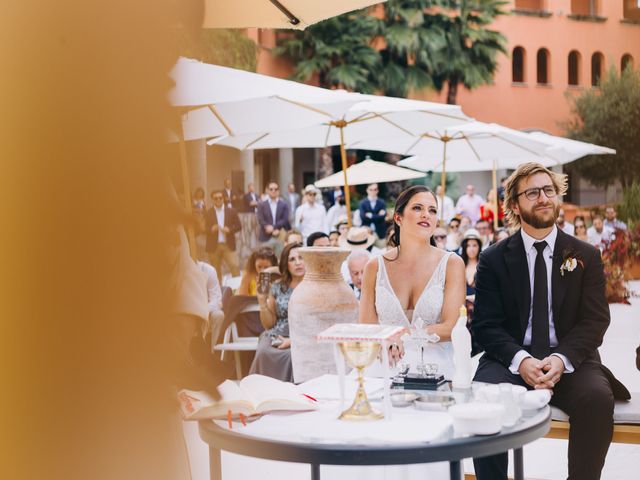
x,y
449,208
214,293
567,228
273,205
532,253
220,218
311,218
595,238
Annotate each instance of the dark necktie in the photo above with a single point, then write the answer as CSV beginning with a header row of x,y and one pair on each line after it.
x,y
540,319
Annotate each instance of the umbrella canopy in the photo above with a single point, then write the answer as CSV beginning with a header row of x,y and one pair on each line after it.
x,y
369,171
475,146
297,14
373,117
478,146
225,101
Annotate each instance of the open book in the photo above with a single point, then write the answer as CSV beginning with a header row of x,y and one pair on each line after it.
x,y
255,394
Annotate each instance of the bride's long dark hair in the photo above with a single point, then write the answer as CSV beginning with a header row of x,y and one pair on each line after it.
x,y
401,203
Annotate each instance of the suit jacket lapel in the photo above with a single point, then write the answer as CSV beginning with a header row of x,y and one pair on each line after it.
x,y
558,282
516,260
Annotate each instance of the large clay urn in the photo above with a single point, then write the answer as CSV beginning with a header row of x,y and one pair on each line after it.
x,y
321,300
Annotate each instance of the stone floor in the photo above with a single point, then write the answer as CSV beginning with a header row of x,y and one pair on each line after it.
x,y
545,458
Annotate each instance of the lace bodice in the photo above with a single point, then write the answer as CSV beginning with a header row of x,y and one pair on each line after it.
x,y
428,307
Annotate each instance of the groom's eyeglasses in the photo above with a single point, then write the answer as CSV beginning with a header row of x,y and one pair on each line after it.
x,y
533,194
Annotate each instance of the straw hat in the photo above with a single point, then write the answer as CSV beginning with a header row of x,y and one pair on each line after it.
x,y
310,189
357,237
473,234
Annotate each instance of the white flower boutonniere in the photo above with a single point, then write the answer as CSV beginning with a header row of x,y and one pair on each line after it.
x,y
569,265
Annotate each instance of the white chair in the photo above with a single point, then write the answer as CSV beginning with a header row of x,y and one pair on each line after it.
x,y
232,342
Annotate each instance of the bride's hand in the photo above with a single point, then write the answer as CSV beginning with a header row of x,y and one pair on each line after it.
x,y
396,352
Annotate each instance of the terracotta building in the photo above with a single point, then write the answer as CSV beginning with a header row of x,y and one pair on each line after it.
x,y
557,48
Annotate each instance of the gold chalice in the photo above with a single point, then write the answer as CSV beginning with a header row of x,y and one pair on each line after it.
x,y
359,355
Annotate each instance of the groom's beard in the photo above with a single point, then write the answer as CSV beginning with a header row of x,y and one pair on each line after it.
x,y
540,220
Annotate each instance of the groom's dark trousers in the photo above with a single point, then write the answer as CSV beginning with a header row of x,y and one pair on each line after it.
x,y
580,317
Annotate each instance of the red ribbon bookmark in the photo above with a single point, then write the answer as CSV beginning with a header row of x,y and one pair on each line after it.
x,y
309,397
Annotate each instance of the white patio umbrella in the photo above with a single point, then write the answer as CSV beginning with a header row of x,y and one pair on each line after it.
x,y
468,147
220,101
297,14
374,117
369,171
226,101
475,146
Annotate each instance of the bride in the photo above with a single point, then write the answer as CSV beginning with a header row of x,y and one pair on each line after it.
x,y
416,285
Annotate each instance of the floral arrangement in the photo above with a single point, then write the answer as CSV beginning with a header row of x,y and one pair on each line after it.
x,y
617,255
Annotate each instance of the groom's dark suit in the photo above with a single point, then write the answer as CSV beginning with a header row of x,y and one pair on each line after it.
x,y
580,315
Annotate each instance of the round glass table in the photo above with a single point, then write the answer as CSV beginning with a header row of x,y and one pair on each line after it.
x,y
446,447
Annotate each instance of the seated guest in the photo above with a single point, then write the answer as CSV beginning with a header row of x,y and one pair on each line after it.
x,y
470,251
273,356
611,221
580,228
563,224
293,236
500,234
598,233
356,262
214,299
259,260
485,229
440,236
333,238
454,236
318,239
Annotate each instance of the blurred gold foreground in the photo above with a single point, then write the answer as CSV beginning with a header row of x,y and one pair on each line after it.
x,y
86,354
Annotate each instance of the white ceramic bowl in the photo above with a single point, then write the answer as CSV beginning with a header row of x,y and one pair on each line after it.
x,y
477,418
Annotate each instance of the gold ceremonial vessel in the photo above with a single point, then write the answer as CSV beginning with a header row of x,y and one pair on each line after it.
x,y
360,355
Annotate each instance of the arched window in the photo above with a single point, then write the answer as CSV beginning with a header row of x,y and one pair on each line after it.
x,y
542,66
597,62
517,65
626,61
574,67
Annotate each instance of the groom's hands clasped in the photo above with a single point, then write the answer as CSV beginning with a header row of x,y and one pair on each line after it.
x,y
543,373
553,368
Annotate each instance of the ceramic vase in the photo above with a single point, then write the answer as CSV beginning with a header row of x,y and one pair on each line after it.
x,y
321,300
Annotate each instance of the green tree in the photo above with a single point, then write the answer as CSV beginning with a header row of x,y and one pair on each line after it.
x,y
338,51
609,116
467,55
409,43
226,47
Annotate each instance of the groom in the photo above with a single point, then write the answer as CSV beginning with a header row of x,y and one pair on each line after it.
x,y
540,315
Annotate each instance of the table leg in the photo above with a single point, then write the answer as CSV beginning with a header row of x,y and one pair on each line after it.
x,y
455,470
315,471
215,464
518,464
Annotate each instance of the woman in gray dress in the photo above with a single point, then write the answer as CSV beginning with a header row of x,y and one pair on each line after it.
x,y
273,356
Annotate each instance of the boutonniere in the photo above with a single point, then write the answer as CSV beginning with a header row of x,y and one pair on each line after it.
x,y
570,263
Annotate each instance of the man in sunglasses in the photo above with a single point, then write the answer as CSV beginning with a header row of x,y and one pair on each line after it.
x,y
540,315
273,218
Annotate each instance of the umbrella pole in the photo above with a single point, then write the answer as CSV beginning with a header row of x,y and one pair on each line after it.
x,y
495,199
347,195
187,189
443,179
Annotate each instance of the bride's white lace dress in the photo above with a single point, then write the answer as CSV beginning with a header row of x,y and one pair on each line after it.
x,y
427,311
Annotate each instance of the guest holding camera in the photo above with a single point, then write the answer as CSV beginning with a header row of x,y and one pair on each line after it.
x,y
273,356
260,259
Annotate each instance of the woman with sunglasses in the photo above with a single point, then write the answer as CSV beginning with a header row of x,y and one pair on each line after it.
x,y
580,228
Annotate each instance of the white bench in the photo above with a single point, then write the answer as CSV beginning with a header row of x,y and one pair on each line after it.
x,y
626,419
